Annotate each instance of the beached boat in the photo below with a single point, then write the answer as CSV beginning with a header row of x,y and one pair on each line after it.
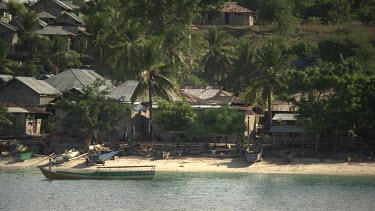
x,y
101,158
65,156
25,156
107,173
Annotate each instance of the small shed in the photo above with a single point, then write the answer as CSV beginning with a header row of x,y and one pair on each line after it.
x,y
237,15
26,120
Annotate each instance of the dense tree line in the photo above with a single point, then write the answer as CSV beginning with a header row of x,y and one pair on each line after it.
x,y
152,41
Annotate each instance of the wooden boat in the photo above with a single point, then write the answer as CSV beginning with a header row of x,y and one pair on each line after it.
x,y
70,154
64,157
110,173
25,156
101,158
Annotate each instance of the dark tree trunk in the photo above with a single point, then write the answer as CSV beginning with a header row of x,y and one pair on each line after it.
x,y
150,110
269,108
88,137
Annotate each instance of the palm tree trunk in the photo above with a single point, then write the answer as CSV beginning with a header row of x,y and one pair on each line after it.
x,y
269,108
150,107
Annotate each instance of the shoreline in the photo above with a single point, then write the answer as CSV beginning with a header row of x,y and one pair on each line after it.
x,y
216,165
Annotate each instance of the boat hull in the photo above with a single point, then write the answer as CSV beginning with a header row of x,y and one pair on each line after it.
x,y
99,175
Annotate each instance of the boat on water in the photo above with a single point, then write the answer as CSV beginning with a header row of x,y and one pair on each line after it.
x,y
25,156
104,173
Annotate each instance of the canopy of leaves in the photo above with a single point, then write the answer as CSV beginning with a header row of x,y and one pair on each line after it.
x,y
174,116
5,118
90,109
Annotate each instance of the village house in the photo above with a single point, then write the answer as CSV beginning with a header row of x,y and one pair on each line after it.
x,y
28,91
8,34
233,14
26,120
53,7
75,79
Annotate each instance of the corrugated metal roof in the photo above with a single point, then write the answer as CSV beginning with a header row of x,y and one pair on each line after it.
x,y
75,78
232,7
71,15
3,6
61,4
71,5
44,14
5,77
54,30
287,129
124,91
8,26
202,92
285,117
39,86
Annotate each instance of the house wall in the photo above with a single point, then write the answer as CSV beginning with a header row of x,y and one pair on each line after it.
x,y
19,93
48,6
234,19
241,19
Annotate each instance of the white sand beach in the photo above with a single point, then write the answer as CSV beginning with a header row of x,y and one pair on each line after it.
x,y
199,164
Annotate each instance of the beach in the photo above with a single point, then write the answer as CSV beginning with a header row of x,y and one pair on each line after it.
x,y
204,164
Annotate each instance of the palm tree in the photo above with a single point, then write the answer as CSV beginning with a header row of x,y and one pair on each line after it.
x,y
126,50
28,23
58,55
101,31
217,62
175,42
6,65
269,60
155,75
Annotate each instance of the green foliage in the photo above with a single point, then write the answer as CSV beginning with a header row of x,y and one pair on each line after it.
x,y
346,44
211,8
367,11
174,116
91,110
48,124
57,56
280,11
159,15
223,121
5,118
335,98
16,8
217,62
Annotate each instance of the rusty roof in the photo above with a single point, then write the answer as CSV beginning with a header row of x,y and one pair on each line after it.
x,y
232,7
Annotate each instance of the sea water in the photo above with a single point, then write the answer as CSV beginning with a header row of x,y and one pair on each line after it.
x,y
29,190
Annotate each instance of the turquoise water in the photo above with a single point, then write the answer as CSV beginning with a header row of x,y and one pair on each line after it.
x,y
29,190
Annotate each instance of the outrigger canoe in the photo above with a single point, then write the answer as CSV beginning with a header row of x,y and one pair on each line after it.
x,y
104,173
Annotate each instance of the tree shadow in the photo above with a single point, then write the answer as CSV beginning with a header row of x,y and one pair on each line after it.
x,y
235,163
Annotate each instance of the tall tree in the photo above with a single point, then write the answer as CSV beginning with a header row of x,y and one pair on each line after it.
x,y
6,66
176,43
270,59
57,55
155,74
126,50
91,110
217,62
